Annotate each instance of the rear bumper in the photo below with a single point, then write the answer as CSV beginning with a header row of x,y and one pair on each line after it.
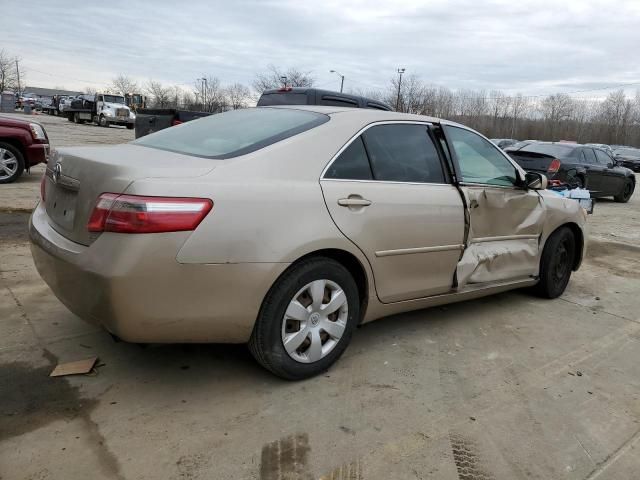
x,y
133,286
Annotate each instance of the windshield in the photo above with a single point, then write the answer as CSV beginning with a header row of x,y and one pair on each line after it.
x,y
113,99
233,133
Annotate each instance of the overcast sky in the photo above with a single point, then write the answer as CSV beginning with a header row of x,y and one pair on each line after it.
x,y
533,47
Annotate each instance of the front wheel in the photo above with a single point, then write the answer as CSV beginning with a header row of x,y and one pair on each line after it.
x,y
11,163
103,121
627,190
306,320
556,263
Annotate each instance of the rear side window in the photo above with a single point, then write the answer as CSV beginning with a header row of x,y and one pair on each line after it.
x,y
603,158
233,133
403,153
352,164
284,98
589,156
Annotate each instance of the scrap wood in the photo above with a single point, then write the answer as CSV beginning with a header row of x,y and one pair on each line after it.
x,y
74,368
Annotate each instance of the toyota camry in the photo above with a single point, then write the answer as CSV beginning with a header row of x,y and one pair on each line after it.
x,y
286,227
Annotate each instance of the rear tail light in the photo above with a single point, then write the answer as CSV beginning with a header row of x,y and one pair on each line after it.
x,y
176,122
554,166
43,187
138,214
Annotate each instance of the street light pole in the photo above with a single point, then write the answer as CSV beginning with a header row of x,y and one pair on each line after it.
x,y
341,79
204,92
400,72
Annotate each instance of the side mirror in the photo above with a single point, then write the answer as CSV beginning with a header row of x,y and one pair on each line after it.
x,y
536,181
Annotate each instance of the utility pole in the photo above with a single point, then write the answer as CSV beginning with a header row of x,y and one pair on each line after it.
x,y
400,72
18,75
341,79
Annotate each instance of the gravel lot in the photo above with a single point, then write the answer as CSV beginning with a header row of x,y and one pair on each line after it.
x,y
505,387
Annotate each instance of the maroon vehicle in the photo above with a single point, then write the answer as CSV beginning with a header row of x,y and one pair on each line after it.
x,y
23,144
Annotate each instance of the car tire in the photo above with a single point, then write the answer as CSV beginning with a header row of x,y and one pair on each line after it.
x,y
627,192
129,126
580,182
13,159
556,264
291,292
102,121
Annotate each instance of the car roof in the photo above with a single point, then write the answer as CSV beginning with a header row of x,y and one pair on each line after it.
x,y
366,114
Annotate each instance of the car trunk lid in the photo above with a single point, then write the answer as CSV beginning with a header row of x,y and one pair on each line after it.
x,y
77,176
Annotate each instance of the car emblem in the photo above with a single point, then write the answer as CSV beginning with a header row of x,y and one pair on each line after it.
x,y
57,172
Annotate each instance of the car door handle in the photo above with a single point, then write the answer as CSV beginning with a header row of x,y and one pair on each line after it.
x,y
354,201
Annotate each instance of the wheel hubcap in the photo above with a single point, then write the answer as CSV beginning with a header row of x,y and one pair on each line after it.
x,y
314,321
8,164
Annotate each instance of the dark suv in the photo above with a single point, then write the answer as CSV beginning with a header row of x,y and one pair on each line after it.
x,y
314,96
582,165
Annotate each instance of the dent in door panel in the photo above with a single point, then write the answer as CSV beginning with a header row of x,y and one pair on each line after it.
x,y
504,235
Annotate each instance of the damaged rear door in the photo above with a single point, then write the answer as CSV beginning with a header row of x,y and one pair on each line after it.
x,y
504,220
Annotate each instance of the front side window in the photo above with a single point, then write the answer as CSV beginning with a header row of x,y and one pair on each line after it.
x,y
403,153
233,133
480,161
352,164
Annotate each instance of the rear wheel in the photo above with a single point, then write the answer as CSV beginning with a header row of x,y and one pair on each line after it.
x,y
556,263
627,191
306,320
11,163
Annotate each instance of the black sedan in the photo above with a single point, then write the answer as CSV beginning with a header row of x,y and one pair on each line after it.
x,y
628,157
580,165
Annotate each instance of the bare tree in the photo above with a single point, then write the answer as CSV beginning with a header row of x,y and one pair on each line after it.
x,y
124,84
237,95
88,90
211,94
159,94
275,77
9,72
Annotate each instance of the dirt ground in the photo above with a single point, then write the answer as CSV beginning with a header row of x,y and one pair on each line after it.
x,y
506,387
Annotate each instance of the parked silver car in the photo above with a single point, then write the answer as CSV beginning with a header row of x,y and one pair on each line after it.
x,y
285,227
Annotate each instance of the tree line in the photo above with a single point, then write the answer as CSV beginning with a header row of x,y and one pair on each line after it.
x,y
614,119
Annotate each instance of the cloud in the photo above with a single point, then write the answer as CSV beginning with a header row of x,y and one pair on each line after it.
x,y
533,47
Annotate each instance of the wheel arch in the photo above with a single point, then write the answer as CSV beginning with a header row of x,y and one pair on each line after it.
x,y
578,234
14,142
351,263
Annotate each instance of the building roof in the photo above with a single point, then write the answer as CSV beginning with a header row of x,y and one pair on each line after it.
x,y
49,92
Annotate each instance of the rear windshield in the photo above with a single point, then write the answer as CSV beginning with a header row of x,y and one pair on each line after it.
x,y
284,98
233,133
632,152
558,151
